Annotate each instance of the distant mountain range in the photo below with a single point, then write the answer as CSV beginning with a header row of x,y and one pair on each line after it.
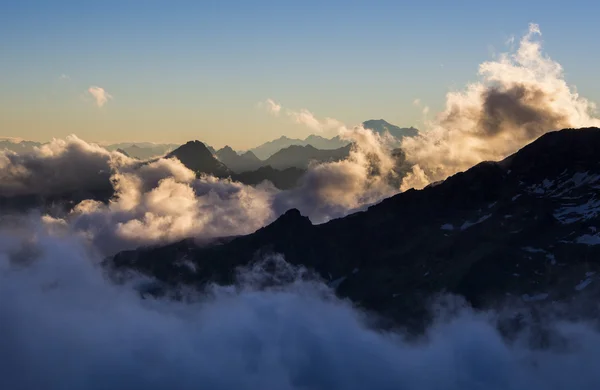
x,y
238,162
301,156
524,229
283,167
142,150
267,149
18,146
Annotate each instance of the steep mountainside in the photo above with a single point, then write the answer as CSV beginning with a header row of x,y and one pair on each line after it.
x,y
526,228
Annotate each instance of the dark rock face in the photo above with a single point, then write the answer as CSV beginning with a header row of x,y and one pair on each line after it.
x,y
526,228
198,158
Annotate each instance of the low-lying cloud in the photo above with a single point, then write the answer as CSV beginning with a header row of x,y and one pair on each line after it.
x,y
520,96
162,201
65,326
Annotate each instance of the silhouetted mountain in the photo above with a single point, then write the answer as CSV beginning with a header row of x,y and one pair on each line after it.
x,y
236,162
283,179
525,228
300,156
325,143
380,126
197,157
267,149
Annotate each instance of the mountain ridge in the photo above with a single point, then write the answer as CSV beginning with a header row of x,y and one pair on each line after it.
x,y
523,228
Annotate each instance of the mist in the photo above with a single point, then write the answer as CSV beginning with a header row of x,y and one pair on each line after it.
x,y
64,325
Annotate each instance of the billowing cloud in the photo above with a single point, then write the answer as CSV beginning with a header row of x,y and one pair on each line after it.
x,y
162,201
58,167
519,97
99,95
154,207
293,334
334,189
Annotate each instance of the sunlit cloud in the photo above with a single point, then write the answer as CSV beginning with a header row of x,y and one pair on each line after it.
x,y
100,95
271,106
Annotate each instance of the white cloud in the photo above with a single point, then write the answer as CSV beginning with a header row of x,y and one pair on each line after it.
x,y
417,102
520,96
100,95
64,77
271,106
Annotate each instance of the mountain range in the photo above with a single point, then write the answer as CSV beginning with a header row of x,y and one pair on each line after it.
x,y
379,126
524,229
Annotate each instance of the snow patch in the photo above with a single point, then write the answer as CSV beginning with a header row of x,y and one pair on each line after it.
x,y
468,224
588,239
336,283
583,284
534,298
570,214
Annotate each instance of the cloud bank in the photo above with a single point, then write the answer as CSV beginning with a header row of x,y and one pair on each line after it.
x,y
65,326
162,201
60,166
519,97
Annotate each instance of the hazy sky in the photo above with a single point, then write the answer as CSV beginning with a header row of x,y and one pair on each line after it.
x,y
170,71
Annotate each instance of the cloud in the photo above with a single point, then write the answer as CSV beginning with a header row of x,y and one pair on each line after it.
x,y
64,77
58,167
270,106
121,203
336,189
100,95
273,107
307,118
150,207
303,117
417,102
519,97
64,324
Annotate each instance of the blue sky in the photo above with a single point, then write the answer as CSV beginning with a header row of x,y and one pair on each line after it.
x,y
184,70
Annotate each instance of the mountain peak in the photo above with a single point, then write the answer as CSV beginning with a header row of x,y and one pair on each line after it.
x,y
381,126
197,157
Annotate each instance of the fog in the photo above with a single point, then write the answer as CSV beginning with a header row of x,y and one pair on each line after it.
x,y
63,325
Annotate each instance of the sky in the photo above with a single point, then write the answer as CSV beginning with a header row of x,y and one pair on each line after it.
x,y
172,71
